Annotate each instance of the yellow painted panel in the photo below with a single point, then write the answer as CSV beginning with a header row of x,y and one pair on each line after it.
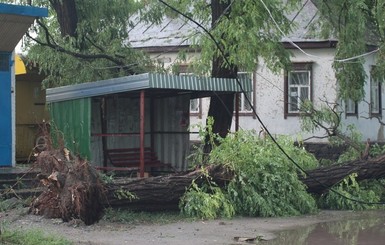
x,y
19,66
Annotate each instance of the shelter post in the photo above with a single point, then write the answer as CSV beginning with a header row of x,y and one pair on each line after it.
x,y
141,166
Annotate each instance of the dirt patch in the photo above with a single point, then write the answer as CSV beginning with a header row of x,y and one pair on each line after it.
x,y
186,232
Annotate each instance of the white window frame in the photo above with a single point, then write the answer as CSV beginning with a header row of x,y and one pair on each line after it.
x,y
243,103
194,110
292,107
351,107
375,97
195,105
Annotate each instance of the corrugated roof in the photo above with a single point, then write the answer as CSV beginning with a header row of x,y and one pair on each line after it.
x,y
15,21
145,81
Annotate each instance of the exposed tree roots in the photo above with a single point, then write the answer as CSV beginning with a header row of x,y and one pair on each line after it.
x,y
74,189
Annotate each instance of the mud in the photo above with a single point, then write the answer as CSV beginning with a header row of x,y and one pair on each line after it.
x,y
323,228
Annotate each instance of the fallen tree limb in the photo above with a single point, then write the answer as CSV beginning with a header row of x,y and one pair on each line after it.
x,y
162,192
321,179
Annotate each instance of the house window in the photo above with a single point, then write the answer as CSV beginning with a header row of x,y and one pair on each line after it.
x,y
244,105
375,97
298,82
351,108
195,104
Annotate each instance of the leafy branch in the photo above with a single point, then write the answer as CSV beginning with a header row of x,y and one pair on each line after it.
x,y
50,42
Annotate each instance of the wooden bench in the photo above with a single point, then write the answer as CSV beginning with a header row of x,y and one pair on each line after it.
x,y
129,159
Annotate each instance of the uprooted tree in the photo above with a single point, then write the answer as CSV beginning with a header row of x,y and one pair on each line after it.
x,y
245,172
74,189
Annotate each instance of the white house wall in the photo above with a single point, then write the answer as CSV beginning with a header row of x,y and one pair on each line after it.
x,y
270,94
370,128
270,98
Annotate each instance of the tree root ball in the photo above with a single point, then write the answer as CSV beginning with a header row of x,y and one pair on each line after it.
x,y
74,189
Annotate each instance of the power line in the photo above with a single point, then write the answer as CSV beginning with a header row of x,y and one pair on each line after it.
x,y
257,116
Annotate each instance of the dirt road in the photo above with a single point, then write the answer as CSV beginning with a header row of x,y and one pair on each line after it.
x,y
196,232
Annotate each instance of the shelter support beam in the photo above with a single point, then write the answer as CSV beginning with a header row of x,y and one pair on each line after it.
x,y
142,118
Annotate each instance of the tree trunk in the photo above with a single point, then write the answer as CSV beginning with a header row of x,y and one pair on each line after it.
x,y
321,179
162,192
221,106
66,16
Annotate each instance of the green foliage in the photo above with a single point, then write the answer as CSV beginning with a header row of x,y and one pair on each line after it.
x,y
245,32
107,178
12,203
198,157
207,202
369,192
266,182
356,24
97,50
124,194
377,150
30,237
325,118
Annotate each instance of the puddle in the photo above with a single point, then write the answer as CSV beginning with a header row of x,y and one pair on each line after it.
x,y
364,231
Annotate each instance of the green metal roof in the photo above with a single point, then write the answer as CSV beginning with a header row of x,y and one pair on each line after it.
x,y
147,81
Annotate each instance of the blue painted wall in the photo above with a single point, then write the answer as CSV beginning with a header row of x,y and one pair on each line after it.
x,y
5,110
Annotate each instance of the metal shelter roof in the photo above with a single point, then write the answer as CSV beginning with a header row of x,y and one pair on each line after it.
x,y
146,81
14,21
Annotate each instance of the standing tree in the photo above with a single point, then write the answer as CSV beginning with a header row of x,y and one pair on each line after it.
x,y
241,34
83,41
90,37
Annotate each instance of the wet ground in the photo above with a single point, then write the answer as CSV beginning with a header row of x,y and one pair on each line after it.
x,y
326,228
366,230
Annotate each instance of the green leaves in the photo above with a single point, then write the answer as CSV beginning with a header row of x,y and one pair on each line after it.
x,y
356,24
267,182
207,202
368,191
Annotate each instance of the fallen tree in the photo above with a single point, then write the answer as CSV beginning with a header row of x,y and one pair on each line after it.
x,y
74,189
164,192
161,192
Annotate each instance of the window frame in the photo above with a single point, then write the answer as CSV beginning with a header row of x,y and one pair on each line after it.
x,y
242,99
379,97
297,67
350,113
183,71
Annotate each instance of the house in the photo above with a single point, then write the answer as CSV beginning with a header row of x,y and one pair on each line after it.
x,y
275,96
14,22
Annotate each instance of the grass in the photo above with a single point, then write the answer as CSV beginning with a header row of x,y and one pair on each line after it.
x,y
30,237
137,218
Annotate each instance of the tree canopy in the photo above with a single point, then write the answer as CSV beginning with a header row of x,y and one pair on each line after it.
x,y
83,41
359,26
